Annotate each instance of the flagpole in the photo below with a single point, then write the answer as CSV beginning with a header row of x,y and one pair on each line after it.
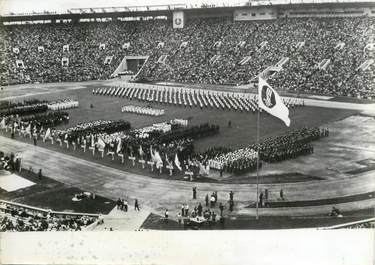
x,y
257,202
281,111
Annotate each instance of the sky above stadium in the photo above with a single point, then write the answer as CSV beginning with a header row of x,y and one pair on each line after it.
x,y
26,6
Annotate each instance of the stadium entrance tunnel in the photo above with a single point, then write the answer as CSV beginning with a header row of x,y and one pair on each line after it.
x,y
130,65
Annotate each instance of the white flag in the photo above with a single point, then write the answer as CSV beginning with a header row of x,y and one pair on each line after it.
x,y
2,124
177,162
141,153
28,128
48,134
271,102
152,154
158,160
92,140
119,146
100,143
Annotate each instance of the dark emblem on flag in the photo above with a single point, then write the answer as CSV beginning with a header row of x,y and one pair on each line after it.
x,y
268,97
178,21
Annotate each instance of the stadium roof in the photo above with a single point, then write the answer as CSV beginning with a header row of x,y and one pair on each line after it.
x,y
167,10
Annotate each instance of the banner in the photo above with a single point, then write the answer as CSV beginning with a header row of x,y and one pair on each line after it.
x,y
271,102
178,19
119,146
177,162
65,61
47,135
100,143
20,64
66,48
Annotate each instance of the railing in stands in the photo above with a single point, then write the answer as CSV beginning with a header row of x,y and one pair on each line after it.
x,y
45,210
350,224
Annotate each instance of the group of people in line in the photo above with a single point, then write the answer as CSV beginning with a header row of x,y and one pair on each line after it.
x,y
202,98
143,110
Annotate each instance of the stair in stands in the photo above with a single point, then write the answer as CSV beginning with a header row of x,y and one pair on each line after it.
x,y
365,65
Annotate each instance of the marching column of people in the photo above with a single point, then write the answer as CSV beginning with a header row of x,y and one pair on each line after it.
x,y
189,97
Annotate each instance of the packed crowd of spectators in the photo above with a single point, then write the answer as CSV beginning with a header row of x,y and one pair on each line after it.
x,y
212,51
343,42
14,218
361,225
86,59
267,42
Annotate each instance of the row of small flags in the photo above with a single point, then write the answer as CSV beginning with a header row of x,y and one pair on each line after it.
x,y
155,155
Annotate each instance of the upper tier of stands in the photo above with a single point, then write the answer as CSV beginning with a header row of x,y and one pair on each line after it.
x,y
212,53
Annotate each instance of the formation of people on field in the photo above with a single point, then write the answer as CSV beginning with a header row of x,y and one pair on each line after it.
x,y
167,145
214,52
143,110
273,149
191,97
31,117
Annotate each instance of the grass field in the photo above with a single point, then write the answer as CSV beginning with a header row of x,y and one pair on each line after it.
x,y
242,132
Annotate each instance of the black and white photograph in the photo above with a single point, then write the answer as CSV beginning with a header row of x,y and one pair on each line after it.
x,y
187,132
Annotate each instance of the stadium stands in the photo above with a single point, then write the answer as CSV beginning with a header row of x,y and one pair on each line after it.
x,y
19,218
329,56
365,223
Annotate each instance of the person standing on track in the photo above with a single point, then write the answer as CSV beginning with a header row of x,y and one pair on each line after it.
x,y
136,205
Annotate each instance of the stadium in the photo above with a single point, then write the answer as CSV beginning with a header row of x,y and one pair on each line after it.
x,y
149,117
